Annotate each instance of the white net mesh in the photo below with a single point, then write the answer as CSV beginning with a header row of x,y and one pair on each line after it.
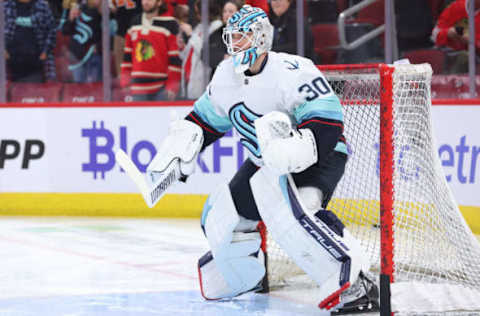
x,y
432,243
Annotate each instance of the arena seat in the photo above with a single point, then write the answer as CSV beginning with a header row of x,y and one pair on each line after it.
x,y
435,57
368,52
436,7
61,45
325,42
121,94
342,5
61,65
453,86
442,87
35,92
322,11
83,92
373,14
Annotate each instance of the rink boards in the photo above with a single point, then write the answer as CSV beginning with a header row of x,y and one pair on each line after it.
x,y
58,160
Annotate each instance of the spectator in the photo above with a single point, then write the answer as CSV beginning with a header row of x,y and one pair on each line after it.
x,y
84,26
194,80
182,12
151,64
451,31
67,5
30,40
218,50
262,4
284,20
124,11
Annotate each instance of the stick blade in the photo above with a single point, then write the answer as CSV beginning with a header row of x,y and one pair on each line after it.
x,y
170,175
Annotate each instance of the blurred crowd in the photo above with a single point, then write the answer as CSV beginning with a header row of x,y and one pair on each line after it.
x,y
157,46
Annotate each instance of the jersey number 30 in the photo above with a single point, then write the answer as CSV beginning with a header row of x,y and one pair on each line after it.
x,y
317,87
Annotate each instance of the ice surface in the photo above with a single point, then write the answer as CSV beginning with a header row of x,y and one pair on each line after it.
x,y
104,266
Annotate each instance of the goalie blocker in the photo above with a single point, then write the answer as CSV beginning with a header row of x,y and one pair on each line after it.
x,y
175,160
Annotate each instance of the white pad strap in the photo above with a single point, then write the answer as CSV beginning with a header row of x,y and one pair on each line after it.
x,y
183,142
331,260
311,198
236,256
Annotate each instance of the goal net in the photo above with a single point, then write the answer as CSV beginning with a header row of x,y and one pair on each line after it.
x,y
394,187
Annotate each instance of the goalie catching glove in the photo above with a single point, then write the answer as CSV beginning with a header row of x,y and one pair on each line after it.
x,y
284,149
183,143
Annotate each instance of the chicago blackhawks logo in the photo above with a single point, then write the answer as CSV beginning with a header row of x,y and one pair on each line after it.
x,y
144,51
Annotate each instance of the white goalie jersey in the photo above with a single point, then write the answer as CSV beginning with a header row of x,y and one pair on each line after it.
x,y
262,107
287,83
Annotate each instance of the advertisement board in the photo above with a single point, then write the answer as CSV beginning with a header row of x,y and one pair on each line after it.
x,y
71,149
457,134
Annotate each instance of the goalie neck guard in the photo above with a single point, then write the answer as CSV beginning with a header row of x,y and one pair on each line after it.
x,y
247,35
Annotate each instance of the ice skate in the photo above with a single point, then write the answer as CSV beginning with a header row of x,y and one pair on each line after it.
x,y
361,297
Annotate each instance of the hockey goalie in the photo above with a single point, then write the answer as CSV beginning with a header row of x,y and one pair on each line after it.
x,y
291,123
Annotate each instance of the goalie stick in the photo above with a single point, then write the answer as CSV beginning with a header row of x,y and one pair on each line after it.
x,y
152,192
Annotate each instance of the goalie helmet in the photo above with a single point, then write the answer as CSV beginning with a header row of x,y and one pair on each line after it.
x,y
247,35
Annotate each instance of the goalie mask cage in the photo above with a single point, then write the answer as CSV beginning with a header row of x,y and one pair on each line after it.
x,y
394,197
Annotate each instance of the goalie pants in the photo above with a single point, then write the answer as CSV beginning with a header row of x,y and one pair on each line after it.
x,y
324,175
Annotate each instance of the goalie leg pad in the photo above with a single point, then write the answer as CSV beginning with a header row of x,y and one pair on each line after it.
x,y
312,198
332,261
236,265
213,283
331,220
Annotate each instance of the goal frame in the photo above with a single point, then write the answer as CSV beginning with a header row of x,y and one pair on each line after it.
x,y
386,175
389,193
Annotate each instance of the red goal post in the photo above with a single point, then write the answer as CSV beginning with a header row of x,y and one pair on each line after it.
x,y
393,196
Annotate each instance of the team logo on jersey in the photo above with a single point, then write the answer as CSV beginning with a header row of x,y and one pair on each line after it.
x,y
144,51
242,119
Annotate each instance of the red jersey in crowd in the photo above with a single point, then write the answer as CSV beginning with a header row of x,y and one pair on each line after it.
x,y
455,15
151,60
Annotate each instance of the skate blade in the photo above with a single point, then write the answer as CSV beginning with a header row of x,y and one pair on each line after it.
x,y
370,307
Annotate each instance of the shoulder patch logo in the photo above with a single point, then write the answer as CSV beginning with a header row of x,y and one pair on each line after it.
x,y
292,66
